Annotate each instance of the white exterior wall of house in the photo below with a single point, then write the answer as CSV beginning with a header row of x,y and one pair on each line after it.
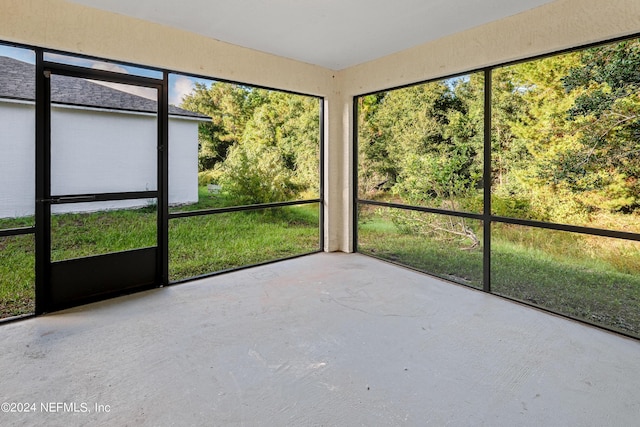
x,y
93,151
183,160
17,162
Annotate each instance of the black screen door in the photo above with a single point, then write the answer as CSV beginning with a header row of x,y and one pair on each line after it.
x,y
101,180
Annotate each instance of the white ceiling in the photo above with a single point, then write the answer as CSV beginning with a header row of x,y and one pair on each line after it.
x,y
335,34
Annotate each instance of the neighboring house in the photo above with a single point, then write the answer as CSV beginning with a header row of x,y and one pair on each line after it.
x,y
103,140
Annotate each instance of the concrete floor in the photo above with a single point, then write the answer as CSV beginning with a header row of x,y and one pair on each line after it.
x,y
327,339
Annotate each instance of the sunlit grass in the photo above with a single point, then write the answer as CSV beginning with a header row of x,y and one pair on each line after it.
x,y
86,234
582,287
205,244
26,221
17,275
450,260
589,277
197,245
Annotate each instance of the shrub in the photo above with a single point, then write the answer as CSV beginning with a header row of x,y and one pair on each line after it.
x,y
209,176
514,207
256,174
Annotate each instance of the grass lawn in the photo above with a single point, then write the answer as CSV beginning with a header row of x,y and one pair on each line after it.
x,y
17,275
204,244
197,245
449,260
593,278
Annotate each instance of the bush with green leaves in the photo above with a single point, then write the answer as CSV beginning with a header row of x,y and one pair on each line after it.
x,y
261,145
256,174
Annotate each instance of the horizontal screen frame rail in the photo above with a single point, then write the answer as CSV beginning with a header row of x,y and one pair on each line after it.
x,y
21,231
201,212
99,197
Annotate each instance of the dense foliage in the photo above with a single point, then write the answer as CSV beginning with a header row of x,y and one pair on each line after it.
x,y
565,139
261,146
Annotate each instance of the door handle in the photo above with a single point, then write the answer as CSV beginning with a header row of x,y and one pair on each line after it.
x,y
75,199
69,199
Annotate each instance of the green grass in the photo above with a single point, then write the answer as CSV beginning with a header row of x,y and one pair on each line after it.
x,y
449,260
17,275
86,234
592,278
596,279
206,200
27,221
197,245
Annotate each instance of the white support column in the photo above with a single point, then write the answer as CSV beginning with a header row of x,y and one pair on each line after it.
x,y
338,173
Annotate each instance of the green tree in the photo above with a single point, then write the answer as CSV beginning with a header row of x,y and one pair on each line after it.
x,y
508,152
291,123
261,145
424,144
579,124
606,166
230,106
427,141
278,156
547,136
376,170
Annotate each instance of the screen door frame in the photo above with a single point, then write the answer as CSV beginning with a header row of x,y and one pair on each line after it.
x,y
71,282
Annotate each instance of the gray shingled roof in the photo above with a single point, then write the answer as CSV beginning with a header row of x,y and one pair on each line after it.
x,y
17,81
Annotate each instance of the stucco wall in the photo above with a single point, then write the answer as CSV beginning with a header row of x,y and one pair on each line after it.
x,y
93,152
558,25
563,23
59,24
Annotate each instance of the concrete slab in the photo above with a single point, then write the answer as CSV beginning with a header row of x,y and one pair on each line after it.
x,y
327,339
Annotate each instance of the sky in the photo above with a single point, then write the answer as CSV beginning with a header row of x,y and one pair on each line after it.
x,y
179,85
